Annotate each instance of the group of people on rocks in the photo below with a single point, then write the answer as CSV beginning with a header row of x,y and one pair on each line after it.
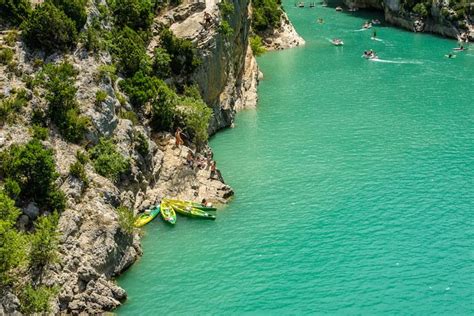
x,y
202,160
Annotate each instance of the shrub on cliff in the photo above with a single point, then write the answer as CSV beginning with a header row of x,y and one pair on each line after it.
x,y
184,60
107,161
14,11
265,14
420,9
195,115
32,167
256,45
11,106
36,300
126,219
74,9
6,55
44,241
49,29
161,63
131,52
141,88
136,14
58,80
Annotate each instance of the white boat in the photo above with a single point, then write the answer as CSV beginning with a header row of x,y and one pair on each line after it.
x,y
375,21
337,42
339,9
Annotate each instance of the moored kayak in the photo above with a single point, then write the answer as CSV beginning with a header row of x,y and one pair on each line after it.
x,y
190,203
192,212
147,217
167,213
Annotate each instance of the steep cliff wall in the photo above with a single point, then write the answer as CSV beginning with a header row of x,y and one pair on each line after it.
x,y
439,18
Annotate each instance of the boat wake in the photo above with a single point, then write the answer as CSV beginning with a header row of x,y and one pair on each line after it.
x,y
361,30
376,39
412,62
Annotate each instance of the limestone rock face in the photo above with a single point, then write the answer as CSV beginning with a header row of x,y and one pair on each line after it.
x,y
283,37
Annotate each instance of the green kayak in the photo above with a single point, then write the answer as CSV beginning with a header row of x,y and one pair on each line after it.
x,y
192,204
192,212
146,217
168,213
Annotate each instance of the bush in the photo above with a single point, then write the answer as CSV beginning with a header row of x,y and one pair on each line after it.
x,y
77,170
136,14
32,167
63,108
74,9
129,115
14,11
10,107
106,72
39,132
256,45
36,300
49,29
6,55
182,53
195,114
141,88
225,29
420,9
164,108
141,144
130,52
11,38
126,219
100,96
107,161
12,188
265,14
226,8
91,40
45,241
161,63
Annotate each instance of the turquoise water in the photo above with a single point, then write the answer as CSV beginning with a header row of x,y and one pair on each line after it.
x,y
354,186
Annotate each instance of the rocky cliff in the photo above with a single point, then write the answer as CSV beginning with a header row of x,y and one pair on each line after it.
x,y
439,17
93,247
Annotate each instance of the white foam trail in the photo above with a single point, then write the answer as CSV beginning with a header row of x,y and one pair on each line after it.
x,y
413,62
376,39
360,30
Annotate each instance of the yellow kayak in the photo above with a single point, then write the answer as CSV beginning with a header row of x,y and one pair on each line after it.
x,y
147,217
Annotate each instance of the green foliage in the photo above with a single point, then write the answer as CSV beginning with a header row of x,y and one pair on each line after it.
x,y
100,96
136,14
11,38
129,115
12,250
77,170
182,53
130,52
225,29
420,9
91,40
195,114
192,91
161,63
164,108
12,188
10,107
105,72
32,167
74,9
82,157
36,300
141,144
63,110
14,11
257,45
107,161
49,29
6,55
45,241
39,132
126,219
226,7
265,14
141,88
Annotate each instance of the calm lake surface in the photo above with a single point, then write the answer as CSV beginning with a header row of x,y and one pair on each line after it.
x,y
354,186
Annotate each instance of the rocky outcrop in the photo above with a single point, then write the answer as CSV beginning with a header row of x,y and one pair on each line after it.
x,y
436,22
282,37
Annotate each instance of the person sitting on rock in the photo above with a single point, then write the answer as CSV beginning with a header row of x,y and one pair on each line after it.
x,y
177,135
207,19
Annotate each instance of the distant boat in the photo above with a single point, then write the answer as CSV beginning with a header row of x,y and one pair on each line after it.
x,y
339,9
375,21
337,42
301,5
312,4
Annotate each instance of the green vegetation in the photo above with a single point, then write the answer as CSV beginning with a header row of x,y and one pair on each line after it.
x,y
100,96
6,55
141,88
181,52
420,9
256,45
11,38
130,52
126,219
39,132
36,300
11,106
161,63
226,8
107,161
58,80
225,29
14,11
32,167
45,241
129,115
266,14
141,144
136,14
78,170
49,29
195,114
